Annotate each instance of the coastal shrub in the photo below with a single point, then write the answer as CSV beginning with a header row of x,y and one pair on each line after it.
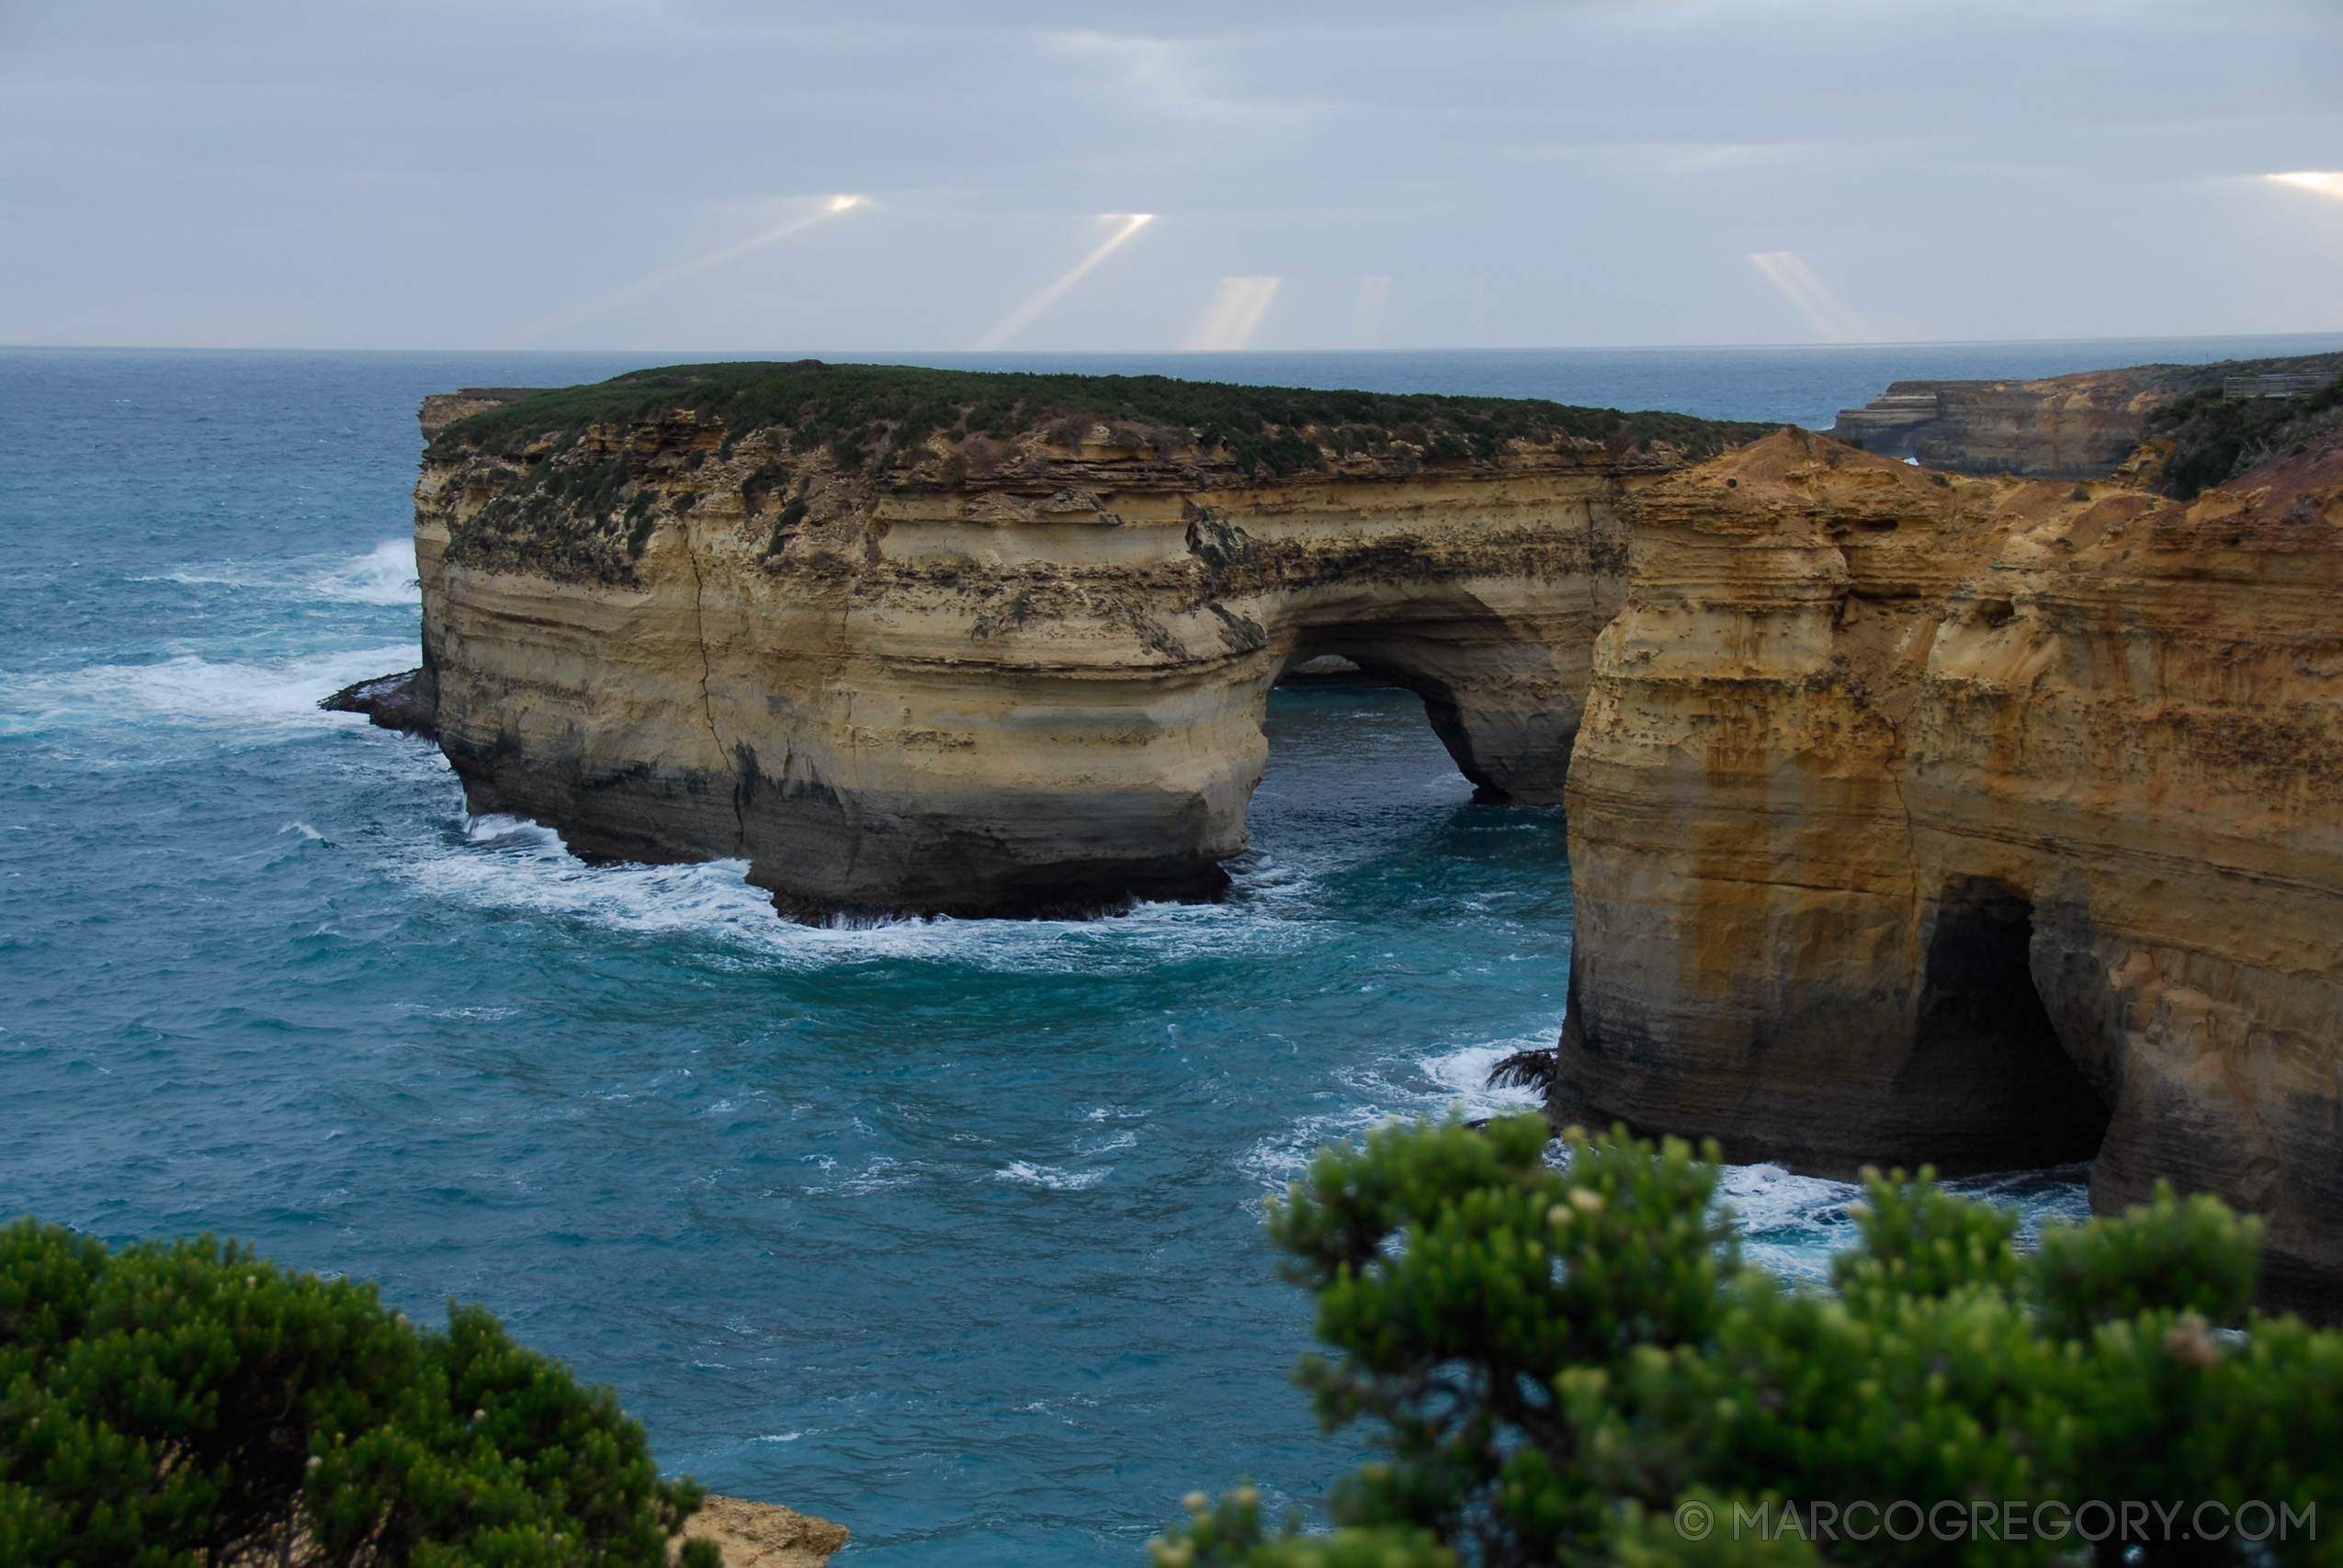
x,y
181,1404
2215,438
1561,1355
870,415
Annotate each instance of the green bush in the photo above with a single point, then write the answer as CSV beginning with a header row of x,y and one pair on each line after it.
x,y
1553,1358
875,414
187,1404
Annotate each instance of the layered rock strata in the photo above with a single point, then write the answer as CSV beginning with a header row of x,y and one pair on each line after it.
x,y
1013,672
1984,822
2064,427
2079,426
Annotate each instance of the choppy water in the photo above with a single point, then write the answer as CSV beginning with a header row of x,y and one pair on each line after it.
x,y
947,1231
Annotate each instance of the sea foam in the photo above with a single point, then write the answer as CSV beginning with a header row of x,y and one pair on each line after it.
x,y
262,698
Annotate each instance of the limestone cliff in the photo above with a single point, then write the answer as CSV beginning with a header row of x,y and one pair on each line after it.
x,y
2080,426
1914,817
919,641
1975,821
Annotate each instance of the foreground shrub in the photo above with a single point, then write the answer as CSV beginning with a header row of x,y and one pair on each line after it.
x,y
188,1403
1571,1362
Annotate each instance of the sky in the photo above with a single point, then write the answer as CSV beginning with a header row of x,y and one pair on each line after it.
x,y
781,175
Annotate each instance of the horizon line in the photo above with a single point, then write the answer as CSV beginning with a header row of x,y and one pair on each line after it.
x,y
714,356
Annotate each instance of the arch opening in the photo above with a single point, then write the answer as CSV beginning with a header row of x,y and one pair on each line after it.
x,y
1503,714
1986,1047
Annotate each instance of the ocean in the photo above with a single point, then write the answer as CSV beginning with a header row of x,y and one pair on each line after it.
x,y
948,1230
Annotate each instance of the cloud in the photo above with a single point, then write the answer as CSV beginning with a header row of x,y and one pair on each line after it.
x,y
616,173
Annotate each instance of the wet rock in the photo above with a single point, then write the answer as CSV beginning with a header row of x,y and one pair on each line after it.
x,y
402,702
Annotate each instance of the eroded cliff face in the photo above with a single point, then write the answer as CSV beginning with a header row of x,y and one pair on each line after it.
x,y
987,675
1983,822
2081,426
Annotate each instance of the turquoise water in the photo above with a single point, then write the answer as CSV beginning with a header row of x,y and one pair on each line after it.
x,y
948,1230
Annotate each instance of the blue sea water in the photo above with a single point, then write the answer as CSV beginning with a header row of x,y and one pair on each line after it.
x,y
948,1230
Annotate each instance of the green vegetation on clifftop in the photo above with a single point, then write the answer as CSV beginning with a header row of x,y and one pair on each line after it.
x,y
2215,438
869,413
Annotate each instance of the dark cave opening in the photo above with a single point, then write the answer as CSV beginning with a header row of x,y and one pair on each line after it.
x,y
1985,1053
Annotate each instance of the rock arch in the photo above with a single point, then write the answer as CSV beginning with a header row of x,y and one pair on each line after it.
x,y
989,704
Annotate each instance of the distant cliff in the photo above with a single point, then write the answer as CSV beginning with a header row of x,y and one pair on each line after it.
x,y
2082,426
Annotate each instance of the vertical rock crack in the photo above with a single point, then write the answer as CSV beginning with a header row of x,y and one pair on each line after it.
x,y
707,699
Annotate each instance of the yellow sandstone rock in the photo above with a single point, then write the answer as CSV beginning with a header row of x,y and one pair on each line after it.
x,y
1983,822
1917,817
761,1535
1032,686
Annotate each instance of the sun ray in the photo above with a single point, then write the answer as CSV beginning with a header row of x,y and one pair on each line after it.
x,y
675,275
1366,313
2325,182
1233,312
1024,315
1831,317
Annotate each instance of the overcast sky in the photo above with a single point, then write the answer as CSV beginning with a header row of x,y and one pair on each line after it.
x,y
755,175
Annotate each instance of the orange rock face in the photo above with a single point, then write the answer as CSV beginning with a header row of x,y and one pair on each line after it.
x,y
1983,822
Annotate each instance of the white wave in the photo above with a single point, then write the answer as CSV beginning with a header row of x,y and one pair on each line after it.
x,y
1284,1156
512,864
1769,1199
1462,1075
1794,1224
1451,1081
881,1174
1027,1174
384,575
1789,1223
188,690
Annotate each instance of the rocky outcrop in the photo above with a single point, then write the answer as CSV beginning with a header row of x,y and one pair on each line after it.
x,y
1014,664
441,409
405,702
761,1535
2082,426
1989,823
